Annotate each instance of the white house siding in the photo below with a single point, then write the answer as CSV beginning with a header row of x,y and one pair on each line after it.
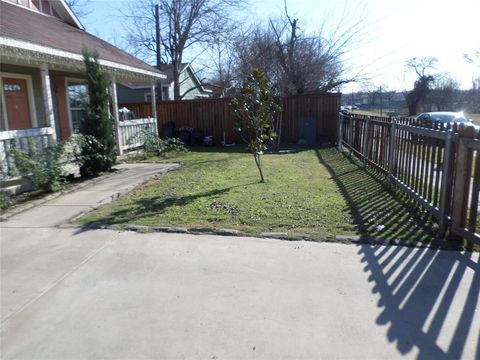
x,y
187,83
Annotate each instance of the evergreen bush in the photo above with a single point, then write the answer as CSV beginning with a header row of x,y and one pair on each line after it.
x,y
98,155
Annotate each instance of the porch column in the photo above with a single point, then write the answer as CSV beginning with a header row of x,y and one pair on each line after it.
x,y
115,116
154,103
47,99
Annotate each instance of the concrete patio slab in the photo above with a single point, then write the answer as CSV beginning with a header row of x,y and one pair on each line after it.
x,y
75,293
33,262
148,296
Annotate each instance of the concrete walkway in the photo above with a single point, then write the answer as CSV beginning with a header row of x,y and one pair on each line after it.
x,y
66,206
69,293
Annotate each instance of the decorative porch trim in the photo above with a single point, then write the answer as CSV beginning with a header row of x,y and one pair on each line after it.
x,y
23,46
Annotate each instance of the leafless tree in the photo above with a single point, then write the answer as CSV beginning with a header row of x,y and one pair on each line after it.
x,y
296,62
473,58
186,25
444,92
422,84
473,95
79,7
255,49
221,68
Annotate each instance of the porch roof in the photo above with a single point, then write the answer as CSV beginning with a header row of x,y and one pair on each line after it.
x,y
25,33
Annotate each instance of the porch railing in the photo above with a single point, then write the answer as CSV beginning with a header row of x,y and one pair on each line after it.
x,y
130,132
27,140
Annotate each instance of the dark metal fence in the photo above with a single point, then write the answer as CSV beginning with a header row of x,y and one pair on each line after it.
x,y
437,164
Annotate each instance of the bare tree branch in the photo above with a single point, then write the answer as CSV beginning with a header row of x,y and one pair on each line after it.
x,y
185,25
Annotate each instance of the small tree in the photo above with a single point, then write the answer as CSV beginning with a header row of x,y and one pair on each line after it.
x,y
256,108
98,155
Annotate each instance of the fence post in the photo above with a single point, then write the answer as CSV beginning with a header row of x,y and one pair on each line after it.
x,y
391,150
444,188
366,149
340,131
350,136
459,209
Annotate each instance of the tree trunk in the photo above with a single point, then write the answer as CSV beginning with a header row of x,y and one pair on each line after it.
x,y
259,166
176,80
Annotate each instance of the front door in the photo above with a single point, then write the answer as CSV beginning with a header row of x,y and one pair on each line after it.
x,y
16,103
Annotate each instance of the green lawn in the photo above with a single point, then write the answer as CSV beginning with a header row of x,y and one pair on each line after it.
x,y
316,192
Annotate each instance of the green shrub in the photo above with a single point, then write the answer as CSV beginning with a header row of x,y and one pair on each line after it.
x,y
43,168
6,201
97,155
153,145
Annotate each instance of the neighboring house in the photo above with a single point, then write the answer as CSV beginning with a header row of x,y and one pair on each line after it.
x,y
41,71
190,87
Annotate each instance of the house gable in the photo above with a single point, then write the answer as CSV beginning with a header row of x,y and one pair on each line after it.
x,y
29,37
58,9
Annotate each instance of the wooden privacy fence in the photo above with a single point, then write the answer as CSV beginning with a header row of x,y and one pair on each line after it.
x,y
436,164
214,116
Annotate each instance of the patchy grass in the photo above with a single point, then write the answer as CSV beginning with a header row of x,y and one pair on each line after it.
x,y
319,192
377,112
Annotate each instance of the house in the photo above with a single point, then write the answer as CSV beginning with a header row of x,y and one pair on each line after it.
x,y
41,73
190,87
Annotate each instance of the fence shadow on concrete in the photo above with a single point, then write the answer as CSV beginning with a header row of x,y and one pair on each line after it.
x,y
429,299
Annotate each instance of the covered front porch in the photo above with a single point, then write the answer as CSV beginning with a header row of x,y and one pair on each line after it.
x,y
42,93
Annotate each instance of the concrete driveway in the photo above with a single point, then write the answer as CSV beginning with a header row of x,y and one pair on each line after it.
x,y
101,294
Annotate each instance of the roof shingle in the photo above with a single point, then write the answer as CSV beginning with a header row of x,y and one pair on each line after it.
x,y
25,25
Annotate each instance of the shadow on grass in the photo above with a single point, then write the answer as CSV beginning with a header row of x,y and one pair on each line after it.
x,y
146,207
379,211
429,299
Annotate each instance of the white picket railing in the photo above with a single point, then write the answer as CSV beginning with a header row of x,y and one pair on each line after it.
x,y
39,138
130,132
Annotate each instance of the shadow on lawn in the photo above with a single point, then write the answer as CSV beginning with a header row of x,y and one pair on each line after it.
x,y
146,207
378,210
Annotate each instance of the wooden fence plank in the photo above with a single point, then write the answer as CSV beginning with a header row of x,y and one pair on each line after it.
x,y
215,117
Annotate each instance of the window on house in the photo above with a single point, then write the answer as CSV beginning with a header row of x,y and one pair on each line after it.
x,y
165,93
77,96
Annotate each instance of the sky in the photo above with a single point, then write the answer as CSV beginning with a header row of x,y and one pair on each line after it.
x,y
392,31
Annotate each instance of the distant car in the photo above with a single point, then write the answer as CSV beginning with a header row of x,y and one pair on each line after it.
x,y
446,117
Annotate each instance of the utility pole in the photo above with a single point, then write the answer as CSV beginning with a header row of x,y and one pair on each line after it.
x,y
157,35
157,44
381,102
